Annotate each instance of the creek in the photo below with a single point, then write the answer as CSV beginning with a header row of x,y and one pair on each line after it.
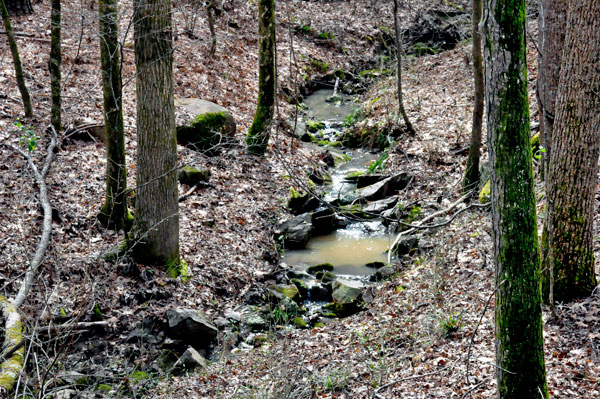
x,y
349,248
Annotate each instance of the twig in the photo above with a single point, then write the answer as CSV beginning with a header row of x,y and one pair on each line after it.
x,y
201,184
487,303
74,326
474,388
412,377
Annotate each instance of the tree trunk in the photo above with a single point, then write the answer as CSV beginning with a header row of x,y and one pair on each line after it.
x,y
210,11
114,213
19,7
258,135
568,243
520,364
14,50
54,65
156,220
552,21
471,179
409,127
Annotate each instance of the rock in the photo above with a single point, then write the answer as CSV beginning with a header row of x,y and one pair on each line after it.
x,y
301,286
367,180
255,321
382,274
296,231
385,187
326,277
314,126
166,359
347,298
211,127
323,222
437,29
375,265
189,361
191,326
295,274
65,394
322,267
406,245
192,176
281,291
381,205
319,292
328,159
319,177
301,203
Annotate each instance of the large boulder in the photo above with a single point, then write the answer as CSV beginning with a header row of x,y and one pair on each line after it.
x,y
301,202
191,326
192,176
406,245
381,205
369,179
203,125
385,187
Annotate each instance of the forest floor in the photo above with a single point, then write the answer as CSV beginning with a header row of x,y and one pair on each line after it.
x,y
403,346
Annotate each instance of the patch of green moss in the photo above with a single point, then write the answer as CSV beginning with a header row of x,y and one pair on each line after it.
x,y
203,133
103,388
484,194
139,376
374,73
319,325
178,268
299,322
318,65
314,126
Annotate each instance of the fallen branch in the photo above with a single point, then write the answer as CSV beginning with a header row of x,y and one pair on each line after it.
x,y
183,197
84,325
13,347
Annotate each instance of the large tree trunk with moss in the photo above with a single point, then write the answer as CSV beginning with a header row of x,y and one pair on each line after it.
x,y
471,179
54,65
409,127
155,232
552,20
258,135
568,242
520,364
19,7
114,213
14,50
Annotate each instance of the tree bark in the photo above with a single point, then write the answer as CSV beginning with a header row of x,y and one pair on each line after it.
x,y
19,7
210,10
520,363
14,50
258,135
552,22
471,179
568,243
156,222
114,213
54,65
409,127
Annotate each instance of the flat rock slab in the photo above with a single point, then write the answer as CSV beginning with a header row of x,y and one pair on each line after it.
x,y
386,187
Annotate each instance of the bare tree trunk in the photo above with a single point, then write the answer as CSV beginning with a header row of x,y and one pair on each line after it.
x,y
471,179
54,65
552,22
114,213
409,127
520,365
156,222
14,50
567,240
210,10
259,132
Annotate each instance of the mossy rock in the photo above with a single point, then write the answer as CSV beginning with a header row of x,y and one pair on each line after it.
x,y
327,277
299,322
290,291
192,176
485,193
211,127
314,126
103,388
302,287
322,267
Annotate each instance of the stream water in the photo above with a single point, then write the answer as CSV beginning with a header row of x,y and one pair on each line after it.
x,y
359,243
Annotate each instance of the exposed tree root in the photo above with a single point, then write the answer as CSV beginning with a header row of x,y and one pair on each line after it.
x,y
13,350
